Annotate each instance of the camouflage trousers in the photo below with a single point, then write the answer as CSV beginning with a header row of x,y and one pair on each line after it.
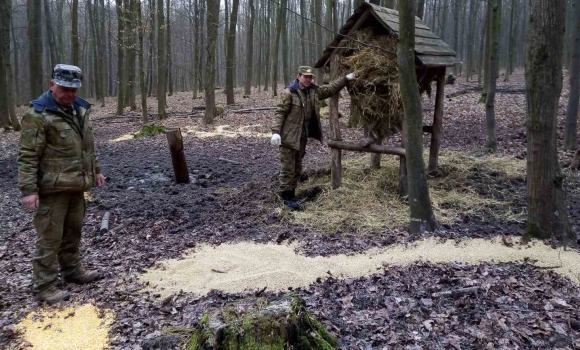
x,y
291,165
58,222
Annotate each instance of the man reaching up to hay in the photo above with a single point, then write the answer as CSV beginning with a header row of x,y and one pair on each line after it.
x,y
296,119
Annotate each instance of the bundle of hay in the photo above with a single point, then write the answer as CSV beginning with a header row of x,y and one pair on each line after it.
x,y
375,92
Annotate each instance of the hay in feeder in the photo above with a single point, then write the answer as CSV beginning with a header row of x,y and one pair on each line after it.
x,y
376,89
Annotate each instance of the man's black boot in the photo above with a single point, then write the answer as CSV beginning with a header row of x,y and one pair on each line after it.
x,y
296,199
287,197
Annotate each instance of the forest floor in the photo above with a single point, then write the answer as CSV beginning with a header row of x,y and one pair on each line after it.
x,y
528,297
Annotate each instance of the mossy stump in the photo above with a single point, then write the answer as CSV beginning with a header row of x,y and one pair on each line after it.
x,y
258,325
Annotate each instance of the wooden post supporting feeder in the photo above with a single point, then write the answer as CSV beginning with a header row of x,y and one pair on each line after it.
x,y
175,141
432,56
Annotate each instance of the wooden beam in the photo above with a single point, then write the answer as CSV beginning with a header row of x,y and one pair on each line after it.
x,y
336,164
356,147
437,123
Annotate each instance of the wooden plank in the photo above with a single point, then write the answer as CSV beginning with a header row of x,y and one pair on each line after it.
x,y
356,147
433,50
395,20
437,61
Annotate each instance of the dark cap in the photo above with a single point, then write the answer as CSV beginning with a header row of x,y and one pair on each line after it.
x,y
306,70
67,75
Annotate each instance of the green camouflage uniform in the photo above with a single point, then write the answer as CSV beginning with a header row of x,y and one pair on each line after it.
x,y
57,161
297,118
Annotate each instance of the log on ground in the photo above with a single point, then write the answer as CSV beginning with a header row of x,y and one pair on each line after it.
x,y
356,147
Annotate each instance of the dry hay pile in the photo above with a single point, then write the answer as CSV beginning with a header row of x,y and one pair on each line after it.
x,y
368,198
375,92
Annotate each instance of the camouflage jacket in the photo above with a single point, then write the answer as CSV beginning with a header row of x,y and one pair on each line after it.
x,y
56,154
289,116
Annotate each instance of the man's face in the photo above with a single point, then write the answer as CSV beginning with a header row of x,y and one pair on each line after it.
x,y
305,80
63,95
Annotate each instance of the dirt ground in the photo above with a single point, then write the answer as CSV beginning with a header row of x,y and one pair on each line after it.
x,y
520,306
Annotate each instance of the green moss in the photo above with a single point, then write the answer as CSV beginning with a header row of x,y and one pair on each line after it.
x,y
202,336
151,130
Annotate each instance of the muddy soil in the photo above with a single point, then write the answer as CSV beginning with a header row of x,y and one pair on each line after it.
x,y
227,202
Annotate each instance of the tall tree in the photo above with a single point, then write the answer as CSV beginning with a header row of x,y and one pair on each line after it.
x,y
570,133
231,53
33,8
142,82
196,45
250,48
4,56
121,73
281,19
169,81
150,71
512,39
74,32
473,10
303,58
50,34
267,50
5,31
420,8
318,30
213,12
162,61
488,49
544,49
422,217
491,137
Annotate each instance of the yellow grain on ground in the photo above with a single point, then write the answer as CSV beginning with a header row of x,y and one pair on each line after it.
x,y
226,131
125,137
82,327
242,266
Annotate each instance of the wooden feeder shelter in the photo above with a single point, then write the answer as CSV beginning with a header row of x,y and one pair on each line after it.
x,y
432,57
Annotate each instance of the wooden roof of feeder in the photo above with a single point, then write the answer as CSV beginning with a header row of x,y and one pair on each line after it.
x,y
430,50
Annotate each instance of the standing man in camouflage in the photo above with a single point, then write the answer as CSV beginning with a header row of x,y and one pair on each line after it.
x,y
57,163
296,119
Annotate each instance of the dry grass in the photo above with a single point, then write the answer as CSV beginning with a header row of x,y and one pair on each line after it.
x,y
369,200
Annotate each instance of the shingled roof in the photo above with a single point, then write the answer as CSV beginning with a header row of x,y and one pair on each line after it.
x,y
430,50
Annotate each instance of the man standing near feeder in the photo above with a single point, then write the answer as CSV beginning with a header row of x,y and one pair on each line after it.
x,y
57,163
296,119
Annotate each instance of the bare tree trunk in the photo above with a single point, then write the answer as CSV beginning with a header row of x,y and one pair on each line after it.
x,y
213,8
318,31
5,30
162,61
35,47
75,32
130,55
59,30
16,55
303,32
482,50
491,137
250,48
268,64
196,46
279,25
152,11
547,213
473,10
422,218
570,134
202,42
120,56
169,78
142,82
50,34
231,53
488,49
4,57
512,40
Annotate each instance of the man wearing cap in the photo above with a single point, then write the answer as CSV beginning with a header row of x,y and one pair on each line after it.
x,y
57,163
296,119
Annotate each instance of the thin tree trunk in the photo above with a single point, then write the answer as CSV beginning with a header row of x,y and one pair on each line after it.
x,y
482,49
318,31
488,49
491,137
473,10
303,31
59,30
422,218
75,32
268,39
213,7
231,53
16,55
250,48
152,11
130,55
169,81
547,213
35,48
279,25
570,133
196,46
120,56
50,34
142,82
4,57
421,9
512,39
10,98
162,61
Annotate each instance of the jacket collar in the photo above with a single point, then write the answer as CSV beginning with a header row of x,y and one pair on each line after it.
x,y
46,101
295,86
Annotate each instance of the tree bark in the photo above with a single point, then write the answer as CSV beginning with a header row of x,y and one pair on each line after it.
x,y
162,61
120,56
422,218
473,10
275,52
433,167
318,31
570,133
4,56
142,81
213,8
421,9
150,70
491,137
303,45
231,53
544,49
488,43
33,8
75,32
50,34
512,39
5,32
267,50
175,142
250,49
169,62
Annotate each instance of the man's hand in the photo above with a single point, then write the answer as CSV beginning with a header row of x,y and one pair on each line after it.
x,y
276,140
30,202
350,76
100,179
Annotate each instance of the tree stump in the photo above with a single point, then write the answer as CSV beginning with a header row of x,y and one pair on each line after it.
x,y
256,324
175,142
